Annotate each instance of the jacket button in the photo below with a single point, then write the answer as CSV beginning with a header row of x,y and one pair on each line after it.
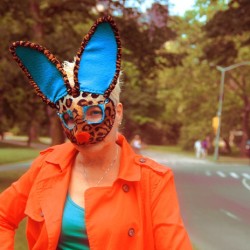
x,y
131,232
142,160
125,188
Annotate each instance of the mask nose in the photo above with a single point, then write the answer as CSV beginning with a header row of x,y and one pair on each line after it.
x,y
82,137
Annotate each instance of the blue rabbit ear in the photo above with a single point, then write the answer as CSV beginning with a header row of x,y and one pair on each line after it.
x,y
98,61
43,70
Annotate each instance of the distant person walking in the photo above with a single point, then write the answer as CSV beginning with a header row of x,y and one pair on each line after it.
x,y
136,144
204,146
198,148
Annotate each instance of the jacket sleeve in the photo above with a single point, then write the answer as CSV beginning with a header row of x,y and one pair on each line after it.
x,y
12,205
169,231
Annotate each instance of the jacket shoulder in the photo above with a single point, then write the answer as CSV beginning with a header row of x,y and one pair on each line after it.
x,y
150,164
57,155
55,148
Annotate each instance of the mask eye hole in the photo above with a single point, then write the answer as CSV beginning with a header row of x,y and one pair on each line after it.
x,y
67,119
94,114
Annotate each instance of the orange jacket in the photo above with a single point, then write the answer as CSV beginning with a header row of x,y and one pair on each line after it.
x,y
140,211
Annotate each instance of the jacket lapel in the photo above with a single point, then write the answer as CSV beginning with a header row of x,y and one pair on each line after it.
x,y
52,189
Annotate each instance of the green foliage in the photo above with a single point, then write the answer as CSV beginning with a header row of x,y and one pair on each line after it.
x,y
228,33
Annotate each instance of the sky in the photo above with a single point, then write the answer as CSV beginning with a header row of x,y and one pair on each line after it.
x,y
178,7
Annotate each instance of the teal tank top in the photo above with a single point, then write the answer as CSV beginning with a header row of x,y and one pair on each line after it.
x,y
73,232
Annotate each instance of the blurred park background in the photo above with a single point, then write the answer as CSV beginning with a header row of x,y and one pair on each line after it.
x,y
186,78
171,67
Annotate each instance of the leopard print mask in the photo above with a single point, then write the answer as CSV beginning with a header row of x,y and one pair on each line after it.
x,y
86,119
84,107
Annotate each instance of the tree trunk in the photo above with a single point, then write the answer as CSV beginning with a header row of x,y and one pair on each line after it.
x,y
56,130
32,125
32,132
37,27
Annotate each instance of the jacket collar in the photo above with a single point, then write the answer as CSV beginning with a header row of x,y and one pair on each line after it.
x,y
129,167
129,162
62,155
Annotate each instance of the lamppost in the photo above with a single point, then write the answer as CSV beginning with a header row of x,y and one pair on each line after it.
x,y
223,71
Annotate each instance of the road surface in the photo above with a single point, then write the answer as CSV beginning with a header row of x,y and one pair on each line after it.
x,y
214,200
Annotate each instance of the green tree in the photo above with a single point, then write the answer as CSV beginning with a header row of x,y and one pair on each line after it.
x,y
229,29
190,89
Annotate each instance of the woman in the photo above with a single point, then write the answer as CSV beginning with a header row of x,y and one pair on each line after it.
x,y
93,192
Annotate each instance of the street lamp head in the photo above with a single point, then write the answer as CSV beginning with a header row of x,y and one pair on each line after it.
x,y
220,68
233,66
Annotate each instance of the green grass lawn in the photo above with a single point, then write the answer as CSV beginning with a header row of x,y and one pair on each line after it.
x,y
11,153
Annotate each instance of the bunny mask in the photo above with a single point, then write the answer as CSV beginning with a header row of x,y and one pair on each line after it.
x,y
85,109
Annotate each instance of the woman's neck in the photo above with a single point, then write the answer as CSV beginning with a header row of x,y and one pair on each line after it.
x,y
97,155
98,166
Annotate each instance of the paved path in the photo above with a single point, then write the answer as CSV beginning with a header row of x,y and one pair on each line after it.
x,y
40,146
24,164
14,166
